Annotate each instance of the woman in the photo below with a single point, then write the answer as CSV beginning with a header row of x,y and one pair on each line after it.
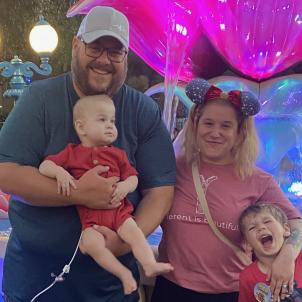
x,y
219,135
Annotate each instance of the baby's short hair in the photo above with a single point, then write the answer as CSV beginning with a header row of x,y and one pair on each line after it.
x,y
272,209
82,103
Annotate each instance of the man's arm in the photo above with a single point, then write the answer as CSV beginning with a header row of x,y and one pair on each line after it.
x,y
30,186
152,209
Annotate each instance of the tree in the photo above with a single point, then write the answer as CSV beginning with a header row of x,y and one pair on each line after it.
x,y
18,17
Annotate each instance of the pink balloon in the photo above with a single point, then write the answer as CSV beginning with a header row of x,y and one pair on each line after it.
x,y
4,199
150,32
256,38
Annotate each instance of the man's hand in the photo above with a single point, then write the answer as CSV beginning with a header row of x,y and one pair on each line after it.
x,y
113,242
95,191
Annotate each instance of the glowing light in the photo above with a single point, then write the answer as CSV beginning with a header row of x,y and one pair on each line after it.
x,y
296,188
43,38
181,29
222,26
297,19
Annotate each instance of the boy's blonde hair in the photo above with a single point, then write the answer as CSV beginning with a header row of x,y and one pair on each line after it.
x,y
80,108
245,150
258,208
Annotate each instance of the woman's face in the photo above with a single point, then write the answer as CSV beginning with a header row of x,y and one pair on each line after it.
x,y
217,133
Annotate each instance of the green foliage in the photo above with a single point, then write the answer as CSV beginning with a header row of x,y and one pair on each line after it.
x,y
18,17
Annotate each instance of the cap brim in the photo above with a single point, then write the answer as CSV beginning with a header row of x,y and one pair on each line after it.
x,y
94,35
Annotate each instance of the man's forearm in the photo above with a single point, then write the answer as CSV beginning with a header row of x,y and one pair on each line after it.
x,y
33,188
153,208
29,185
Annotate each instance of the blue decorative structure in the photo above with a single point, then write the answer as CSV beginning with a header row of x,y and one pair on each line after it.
x,y
20,72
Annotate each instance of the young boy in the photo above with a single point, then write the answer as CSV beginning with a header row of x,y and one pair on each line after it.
x,y
94,122
264,228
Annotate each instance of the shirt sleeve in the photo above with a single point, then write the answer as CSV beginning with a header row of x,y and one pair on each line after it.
x,y
126,169
22,137
155,155
273,194
62,158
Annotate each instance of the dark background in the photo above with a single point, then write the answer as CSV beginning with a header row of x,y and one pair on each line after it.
x,y
18,17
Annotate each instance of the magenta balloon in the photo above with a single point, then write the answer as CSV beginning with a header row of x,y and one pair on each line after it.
x,y
257,38
149,33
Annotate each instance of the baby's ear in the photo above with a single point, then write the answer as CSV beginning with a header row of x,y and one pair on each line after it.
x,y
286,230
78,125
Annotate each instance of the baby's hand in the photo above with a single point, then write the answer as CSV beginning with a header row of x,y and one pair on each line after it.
x,y
64,181
120,192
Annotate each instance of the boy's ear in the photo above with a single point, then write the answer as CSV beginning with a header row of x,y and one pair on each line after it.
x,y
78,125
286,230
246,246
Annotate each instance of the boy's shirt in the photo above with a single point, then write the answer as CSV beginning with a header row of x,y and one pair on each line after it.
x,y
251,275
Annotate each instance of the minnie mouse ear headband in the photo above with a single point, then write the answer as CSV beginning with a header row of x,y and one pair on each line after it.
x,y
201,91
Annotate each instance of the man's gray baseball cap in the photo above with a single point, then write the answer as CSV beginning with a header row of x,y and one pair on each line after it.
x,y
104,21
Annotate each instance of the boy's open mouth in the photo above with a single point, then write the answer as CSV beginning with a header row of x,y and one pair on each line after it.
x,y
266,240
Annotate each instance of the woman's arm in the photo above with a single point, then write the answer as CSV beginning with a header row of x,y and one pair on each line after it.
x,y
283,268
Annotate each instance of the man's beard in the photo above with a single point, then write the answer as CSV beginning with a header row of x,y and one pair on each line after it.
x,y
80,77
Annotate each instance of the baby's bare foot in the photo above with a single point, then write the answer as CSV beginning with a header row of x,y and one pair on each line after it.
x,y
129,284
157,268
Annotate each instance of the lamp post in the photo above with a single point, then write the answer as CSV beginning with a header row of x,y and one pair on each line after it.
x,y
43,39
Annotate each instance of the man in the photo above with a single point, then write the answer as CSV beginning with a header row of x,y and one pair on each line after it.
x,y
46,227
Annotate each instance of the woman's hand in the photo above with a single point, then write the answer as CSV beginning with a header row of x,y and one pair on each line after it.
x,y
281,275
282,272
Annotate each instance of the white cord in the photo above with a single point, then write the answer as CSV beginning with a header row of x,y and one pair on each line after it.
x,y
60,277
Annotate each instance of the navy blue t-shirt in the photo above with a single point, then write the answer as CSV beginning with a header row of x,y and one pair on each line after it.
x,y
43,239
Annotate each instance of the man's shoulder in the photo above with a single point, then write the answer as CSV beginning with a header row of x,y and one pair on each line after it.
x,y
50,83
131,91
133,95
52,80
42,91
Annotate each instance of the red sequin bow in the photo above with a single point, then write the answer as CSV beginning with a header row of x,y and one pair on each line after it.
x,y
233,96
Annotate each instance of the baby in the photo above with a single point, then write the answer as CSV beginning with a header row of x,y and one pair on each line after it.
x,y
94,122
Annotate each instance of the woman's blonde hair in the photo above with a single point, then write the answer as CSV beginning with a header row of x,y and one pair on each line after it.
x,y
245,150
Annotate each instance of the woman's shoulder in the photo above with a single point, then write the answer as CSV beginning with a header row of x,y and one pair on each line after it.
x,y
259,172
181,161
260,177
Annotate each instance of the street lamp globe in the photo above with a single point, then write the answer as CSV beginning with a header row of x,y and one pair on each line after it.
x,y
43,38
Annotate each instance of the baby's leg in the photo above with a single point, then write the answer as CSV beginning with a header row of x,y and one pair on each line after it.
x,y
132,234
93,244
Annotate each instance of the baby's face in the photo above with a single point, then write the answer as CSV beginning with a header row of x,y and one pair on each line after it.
x,y
99,125
264,233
